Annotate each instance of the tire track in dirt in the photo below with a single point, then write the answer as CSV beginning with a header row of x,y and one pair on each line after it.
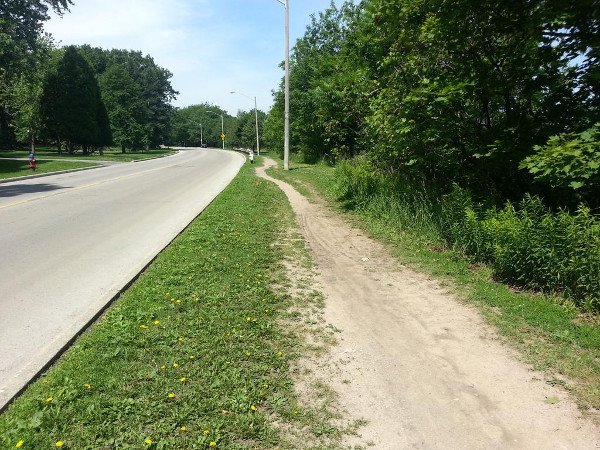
x,y
420,367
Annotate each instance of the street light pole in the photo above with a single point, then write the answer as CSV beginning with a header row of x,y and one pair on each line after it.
x,y
255,119
286,127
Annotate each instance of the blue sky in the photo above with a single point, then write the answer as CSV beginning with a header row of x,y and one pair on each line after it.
x,y
212,47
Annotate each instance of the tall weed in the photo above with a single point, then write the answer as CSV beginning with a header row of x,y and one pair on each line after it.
x,y
526,243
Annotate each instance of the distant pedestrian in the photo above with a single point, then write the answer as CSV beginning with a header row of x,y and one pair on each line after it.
x,y
251,155
32,162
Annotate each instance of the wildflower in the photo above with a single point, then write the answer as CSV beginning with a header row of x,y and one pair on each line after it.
x,y
213,444
49,399
167,294
156,322
189,278
207,432
248,353
44,381
192,356
182,379
248,319
163,367
172,299
265,385
175,365
60,443
148,441
87,386
171,395
183,428
143,326
20,443
279,354
178,301
180,339
253,408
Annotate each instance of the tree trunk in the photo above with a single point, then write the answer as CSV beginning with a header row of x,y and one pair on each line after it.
x,y
122,147
58,146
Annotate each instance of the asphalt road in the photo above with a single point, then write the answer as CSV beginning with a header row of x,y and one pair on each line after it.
x,y
69,243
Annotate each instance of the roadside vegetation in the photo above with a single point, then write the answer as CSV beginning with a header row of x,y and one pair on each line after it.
x,y
548,330
479,130
196,354
110,154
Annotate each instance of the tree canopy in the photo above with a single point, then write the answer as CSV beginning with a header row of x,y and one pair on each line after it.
x,y
448,92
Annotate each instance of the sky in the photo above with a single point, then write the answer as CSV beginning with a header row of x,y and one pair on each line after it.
x,y
212,47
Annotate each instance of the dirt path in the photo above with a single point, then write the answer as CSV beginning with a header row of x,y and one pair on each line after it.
x,y
422,368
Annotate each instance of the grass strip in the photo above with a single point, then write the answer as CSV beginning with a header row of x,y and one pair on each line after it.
x,y
191,356
14,168
549,332
109,155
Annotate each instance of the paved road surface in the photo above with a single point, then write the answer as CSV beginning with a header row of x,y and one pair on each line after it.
x,y
70,242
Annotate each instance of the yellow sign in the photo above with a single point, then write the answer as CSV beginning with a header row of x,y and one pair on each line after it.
x,y
223,136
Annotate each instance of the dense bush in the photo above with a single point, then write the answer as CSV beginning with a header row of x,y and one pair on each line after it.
x,y
526,243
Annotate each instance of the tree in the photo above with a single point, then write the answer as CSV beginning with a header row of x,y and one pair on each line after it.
x,y
125,106
71,105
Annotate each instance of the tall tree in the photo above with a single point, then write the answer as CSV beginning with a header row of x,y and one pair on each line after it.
x,y
71,106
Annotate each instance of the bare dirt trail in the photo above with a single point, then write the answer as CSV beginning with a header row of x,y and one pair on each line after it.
x,y
422,368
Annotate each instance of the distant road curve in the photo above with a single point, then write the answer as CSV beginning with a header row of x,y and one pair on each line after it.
x,y
70,242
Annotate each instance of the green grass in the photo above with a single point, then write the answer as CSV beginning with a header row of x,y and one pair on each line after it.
x,y
194,353
109,155
549,332
14,168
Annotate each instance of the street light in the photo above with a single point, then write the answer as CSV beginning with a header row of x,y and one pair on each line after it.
x,y
255,118
222,132
286,129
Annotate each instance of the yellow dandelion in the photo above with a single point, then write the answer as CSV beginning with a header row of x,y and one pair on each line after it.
x,y
253,408
248,319
171,395
44,381
156,322
168,293
189,278
60,443
143,326
88,386
183,428
177,301
19,444
213,444
180,339
172,299
49,399
175,365
148,441
265,385
163,367
182,379
206,432
247,353
279,354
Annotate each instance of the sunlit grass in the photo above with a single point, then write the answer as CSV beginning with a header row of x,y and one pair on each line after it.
x,y
192,356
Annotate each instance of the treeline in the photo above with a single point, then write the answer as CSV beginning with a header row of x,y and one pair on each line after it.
x,y
479,119
201,124
500,97
76,97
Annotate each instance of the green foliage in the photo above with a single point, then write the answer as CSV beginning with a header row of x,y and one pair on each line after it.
x,y
125,106
194,122
71,106
526,244
445,91
568,161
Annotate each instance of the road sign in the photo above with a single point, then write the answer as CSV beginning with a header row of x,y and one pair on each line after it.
x,y
223,136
